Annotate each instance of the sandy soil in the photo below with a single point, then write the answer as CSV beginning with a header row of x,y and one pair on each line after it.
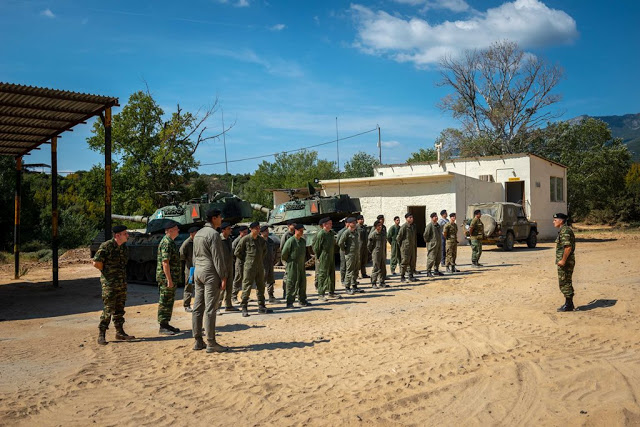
x,y
483,347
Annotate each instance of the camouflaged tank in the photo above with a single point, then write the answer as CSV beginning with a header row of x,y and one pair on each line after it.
x,y
143,243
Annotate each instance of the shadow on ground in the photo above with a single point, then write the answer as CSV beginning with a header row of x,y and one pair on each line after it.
x,y
598,303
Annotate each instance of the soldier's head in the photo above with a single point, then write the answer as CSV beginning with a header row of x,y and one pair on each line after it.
x,y
171,229
225,229
443,213
434,217
559,220
264,231
452,217
381,219
291,223
360,219
298,230
351,223
396,220
326,223
243,230
214,216
193,231
409,218
120,234
254,228
377,225
477,213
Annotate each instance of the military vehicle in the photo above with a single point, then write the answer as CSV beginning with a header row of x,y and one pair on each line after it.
x,y
504,224
143,244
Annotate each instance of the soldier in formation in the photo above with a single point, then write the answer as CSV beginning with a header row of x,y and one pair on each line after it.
x,y
377,245
476,234
433,238
225,232
324,248
268,261
186,256
251,251
395,248
343,261
111,259
442,222
450,234
294,252
350,243
238,266
407,241
286,236
169,276
363,236
565,259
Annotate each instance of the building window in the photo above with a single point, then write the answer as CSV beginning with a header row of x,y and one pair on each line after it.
x,y
557,189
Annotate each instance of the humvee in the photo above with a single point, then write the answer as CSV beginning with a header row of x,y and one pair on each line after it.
x,y
504,224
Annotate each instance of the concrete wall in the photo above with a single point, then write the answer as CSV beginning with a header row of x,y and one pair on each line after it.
x,y
542,208
470,190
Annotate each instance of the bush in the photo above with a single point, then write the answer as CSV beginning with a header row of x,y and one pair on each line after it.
x,y
44,255
33,246
5,257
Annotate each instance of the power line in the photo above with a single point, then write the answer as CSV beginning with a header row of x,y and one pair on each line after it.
x,y
333,141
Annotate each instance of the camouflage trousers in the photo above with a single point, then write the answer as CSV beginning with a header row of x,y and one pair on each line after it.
x,y
395,256
187,295
114,296
165,303
452,252
476,250
352,265
565,278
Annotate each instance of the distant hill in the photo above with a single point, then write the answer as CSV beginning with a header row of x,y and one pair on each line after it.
x,y
626,127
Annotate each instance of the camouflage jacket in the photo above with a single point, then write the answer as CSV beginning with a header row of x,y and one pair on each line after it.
x,y
476,229
565,238
450,232
114,260
167,250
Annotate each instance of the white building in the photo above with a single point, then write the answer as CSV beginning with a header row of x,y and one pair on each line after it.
x,y
537,183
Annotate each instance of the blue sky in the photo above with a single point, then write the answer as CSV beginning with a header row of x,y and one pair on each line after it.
x,y
283,71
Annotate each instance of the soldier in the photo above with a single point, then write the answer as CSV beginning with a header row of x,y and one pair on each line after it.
x,y
238,266
350,243
168,275
225,231
377,245
324,248
407,242
384,227
565,259
186,256
450,234
476,234
433,238
442,222
294,252
286,236
395,248
361,231
343,261
268,261
111,259
211,276
251,250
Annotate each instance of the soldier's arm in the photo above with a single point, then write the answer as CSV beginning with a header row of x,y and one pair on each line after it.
x,y
342,243
565,256
240,250
317,244
99,257
219,259
286,251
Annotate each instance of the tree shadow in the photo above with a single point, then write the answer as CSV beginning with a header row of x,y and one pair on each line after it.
x,y
594,240
597,303
276,346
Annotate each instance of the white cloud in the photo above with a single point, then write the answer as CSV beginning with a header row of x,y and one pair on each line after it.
x,y
530,23
390,144
47,13
453,5
242,3
278,27
275,66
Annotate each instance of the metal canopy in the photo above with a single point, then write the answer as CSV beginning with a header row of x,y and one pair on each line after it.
x,y
31,116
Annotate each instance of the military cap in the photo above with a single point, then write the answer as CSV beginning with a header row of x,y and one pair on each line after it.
x,y
254,224
243,228
194,230
299,227
408,214
264,228
118,229
433,215
561,216
324,220
224,225
350,219
170,224
380,217
443,212
213,213
359,217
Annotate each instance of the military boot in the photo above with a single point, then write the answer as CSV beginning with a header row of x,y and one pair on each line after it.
x,y
437,273
567,306
164,329
429,273
245,311
449,269
216,348
454,269
122,335
272,298
199,345
102,340
262,309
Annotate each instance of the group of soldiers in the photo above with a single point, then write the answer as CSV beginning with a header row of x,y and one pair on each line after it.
x,y
215,270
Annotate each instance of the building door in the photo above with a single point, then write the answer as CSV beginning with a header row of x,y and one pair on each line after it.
x,y
419,220
514,192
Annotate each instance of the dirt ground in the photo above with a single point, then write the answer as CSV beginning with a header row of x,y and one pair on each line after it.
x,y
482,347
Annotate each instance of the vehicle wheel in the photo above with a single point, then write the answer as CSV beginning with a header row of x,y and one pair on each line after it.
x,y
509,241
532,240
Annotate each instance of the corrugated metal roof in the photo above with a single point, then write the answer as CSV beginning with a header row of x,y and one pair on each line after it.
x,y
31,116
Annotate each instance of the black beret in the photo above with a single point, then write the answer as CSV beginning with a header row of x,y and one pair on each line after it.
x,y
376,223
254,224
433,215
561,216
452,214
243,228
477,211
264,228
194,229
380,217
291,222
324,220
408,214
118,228
224,225
359,217
170,224
443,212
350,219
396,217
299,227
212,213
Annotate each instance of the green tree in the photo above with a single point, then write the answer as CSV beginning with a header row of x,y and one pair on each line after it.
x,y
423,155
288,170
360,165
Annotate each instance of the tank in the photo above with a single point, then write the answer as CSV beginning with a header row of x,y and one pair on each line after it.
x,y
143,243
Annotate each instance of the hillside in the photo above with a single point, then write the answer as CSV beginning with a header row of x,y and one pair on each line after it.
x,y
626,127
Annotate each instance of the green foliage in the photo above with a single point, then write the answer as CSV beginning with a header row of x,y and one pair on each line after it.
x,y
360,165
76,229
632,179
423,155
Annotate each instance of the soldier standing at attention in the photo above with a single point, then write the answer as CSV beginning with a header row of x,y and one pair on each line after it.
x,y
225,231
442,222
343,261
111,259
269,259
294,252
251,250
433,238
169,276
238,265
565,259
211,276
377,245
361,230
395,248
286,236
407,241
186,256
350,243
450,234
324,248
476,234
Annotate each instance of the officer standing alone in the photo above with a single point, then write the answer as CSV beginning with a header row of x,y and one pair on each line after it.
x,y
565,259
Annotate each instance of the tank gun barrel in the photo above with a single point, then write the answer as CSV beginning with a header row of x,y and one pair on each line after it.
x,y
260,208
134,218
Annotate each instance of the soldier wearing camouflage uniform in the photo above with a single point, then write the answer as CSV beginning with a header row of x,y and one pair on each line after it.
x,y
169,276
565,259
251,251
377,245
350,243
433,238
268,261
111,259
407,241
186,256
363,236
238,266
324,248
450,234
294,253
395,248
286,236
476,234
225,231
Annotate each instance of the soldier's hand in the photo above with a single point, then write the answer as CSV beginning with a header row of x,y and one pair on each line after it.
x,y
170,284
223,285
561,263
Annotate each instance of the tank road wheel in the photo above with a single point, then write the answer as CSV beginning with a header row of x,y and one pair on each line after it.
x,y
138,272
509,241
131,271
532,240
150,272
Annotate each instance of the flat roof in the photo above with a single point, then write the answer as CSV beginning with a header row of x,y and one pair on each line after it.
x,y
381,179
476,158
31,116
